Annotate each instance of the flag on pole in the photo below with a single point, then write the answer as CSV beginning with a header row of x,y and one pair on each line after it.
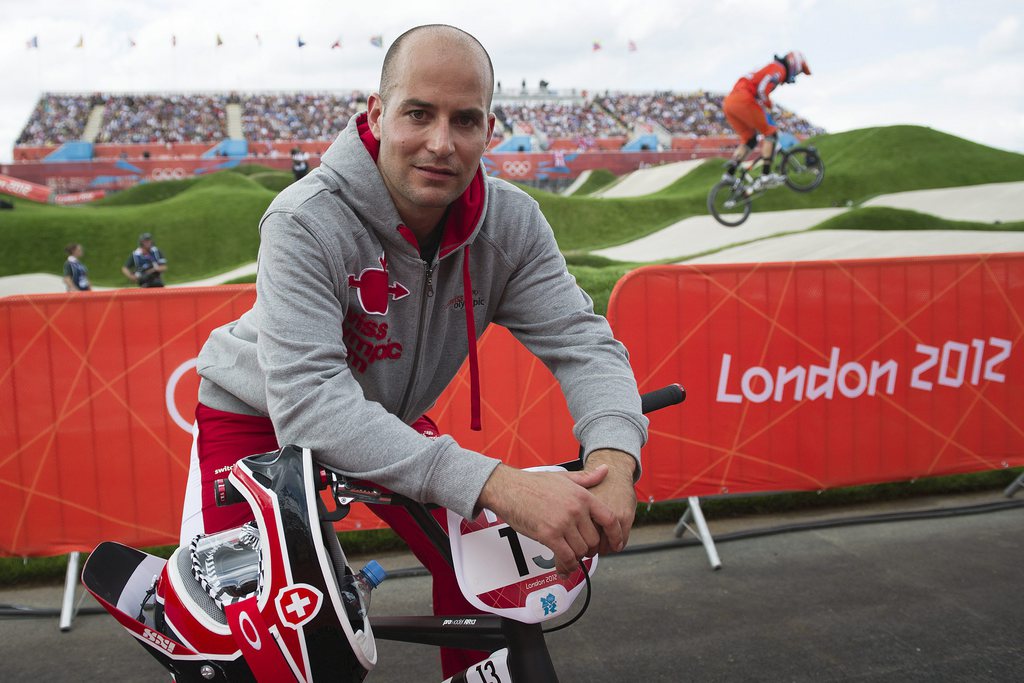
x,y
597,46
219,41
632,46
32,43
301,42
336,44
377,40
259,41
81,41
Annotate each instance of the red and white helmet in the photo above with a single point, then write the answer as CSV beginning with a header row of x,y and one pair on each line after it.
x,y
262,601
797,63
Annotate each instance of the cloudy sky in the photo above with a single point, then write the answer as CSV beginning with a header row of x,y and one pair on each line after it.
x,y
952,65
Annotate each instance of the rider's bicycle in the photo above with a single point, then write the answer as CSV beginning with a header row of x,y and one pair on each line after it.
x,y
800,167
267,601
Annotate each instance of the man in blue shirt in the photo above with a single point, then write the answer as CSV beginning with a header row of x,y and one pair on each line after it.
x,y
146,265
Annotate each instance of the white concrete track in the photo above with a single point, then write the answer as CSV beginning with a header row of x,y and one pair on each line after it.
x,y
825,245
699,234
45,283
985,203
648,180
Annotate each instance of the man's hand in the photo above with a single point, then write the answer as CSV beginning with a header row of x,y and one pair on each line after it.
x,y
616,491
555,509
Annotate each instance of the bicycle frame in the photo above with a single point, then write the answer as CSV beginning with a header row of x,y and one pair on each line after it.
x,y
221,641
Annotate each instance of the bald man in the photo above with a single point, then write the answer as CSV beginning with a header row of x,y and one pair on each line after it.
x,y
377,273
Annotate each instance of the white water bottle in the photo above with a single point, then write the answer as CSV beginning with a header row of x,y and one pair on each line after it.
x,y
355,591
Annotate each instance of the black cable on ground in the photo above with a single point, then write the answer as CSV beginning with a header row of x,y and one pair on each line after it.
x,y
880,518
23,611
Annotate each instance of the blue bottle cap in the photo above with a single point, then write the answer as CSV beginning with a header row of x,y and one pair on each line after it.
x,y
374,572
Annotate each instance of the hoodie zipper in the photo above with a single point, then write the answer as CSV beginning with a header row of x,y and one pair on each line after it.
x,y
428,286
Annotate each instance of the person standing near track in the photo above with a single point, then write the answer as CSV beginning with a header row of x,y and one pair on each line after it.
x,y
76,275
146,265
378,271
746,109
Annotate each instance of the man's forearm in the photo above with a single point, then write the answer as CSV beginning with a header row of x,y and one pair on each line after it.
x,y
619,462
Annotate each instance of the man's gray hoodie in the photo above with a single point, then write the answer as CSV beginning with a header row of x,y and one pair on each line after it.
x,y
353,335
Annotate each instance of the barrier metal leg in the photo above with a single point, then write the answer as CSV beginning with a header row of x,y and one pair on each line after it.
x,y
1016,484
70,584
693,513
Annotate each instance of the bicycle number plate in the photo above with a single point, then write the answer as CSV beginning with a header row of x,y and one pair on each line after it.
x,y
505,573
494,669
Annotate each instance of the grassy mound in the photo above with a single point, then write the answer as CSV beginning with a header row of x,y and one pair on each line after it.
x,y
859,164
884,218
599,179
205,226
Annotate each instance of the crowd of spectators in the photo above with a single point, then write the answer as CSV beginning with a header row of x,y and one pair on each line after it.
x,y
202,118
561,119
133,119
298,116
56,119
696,114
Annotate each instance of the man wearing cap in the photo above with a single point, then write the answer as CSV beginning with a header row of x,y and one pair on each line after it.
x,y
145,265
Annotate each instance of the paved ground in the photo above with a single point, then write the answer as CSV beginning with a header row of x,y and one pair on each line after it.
x,y
927,600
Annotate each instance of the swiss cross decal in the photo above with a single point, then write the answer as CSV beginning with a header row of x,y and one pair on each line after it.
x,y
297,604
374,290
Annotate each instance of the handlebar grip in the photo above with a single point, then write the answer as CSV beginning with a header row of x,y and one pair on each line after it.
x,y
662,398
224,493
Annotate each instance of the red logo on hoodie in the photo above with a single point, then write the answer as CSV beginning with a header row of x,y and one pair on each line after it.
x,y
374,290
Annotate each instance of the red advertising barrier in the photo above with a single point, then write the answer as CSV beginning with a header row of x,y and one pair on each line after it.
x,y
79,197
98,392
800,376
811,375
24,189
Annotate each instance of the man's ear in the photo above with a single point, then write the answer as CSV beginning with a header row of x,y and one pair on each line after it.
x,y
374,112
490,127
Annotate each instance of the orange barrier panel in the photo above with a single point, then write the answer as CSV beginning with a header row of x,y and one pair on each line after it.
x,y
811,375
799,375
99,390
24,189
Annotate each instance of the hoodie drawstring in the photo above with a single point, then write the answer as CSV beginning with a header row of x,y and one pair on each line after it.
x,y
474,367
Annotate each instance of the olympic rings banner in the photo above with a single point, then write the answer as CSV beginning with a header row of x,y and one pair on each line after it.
x,y
812,375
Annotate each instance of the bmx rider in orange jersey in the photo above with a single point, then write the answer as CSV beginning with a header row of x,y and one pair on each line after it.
x,y
746,110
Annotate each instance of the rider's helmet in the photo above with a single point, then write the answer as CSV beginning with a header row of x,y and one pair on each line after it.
x,y
262,601
796,63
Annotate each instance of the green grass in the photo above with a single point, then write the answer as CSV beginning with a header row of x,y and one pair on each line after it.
x,y
599,179
205,226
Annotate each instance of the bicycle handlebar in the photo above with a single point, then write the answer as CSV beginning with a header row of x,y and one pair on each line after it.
x,y
662,398
226,494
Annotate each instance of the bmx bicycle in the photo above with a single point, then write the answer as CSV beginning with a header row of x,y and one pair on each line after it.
x,y
267,601
800,166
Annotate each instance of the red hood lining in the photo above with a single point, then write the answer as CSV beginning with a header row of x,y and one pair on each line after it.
x,y
463,216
